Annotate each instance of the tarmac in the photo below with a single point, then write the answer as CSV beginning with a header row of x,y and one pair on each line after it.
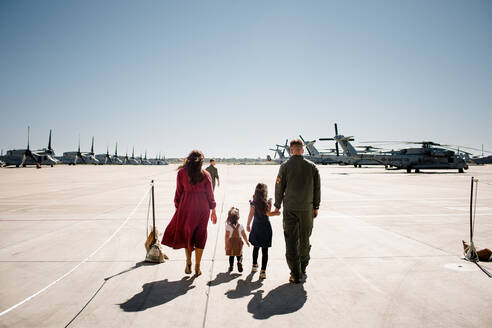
x,y
386,252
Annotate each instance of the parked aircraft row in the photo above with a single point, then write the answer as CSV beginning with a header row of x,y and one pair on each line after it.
x,y
428,156
46,156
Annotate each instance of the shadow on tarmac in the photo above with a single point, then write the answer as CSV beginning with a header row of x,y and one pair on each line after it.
x,y
284,299
158,293
223,278
244,287
136,266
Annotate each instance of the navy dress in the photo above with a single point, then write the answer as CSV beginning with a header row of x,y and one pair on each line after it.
x,y
261,230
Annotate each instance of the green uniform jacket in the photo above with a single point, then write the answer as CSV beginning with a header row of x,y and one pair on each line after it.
x,y
298,185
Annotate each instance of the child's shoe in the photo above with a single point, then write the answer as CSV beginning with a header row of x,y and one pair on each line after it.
x,y
262,274
239,267
294,280
254,268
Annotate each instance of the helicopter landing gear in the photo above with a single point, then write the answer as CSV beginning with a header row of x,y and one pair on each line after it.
x,y
460,171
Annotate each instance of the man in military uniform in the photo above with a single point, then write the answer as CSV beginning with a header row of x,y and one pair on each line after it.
x,y
298,186
213,173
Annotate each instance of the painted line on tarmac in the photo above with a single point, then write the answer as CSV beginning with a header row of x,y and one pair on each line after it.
x,y
433,200
80,263
204,322
403,215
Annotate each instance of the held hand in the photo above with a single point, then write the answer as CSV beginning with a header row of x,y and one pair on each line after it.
x,y
315,213
276,212
213,217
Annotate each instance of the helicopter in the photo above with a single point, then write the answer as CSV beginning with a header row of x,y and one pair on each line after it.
x,y
346,158
477,159
426,157
144,161
73,157
105,158
281,154
482,160
131,160
318,157
115,158
24,157
159,160
284,147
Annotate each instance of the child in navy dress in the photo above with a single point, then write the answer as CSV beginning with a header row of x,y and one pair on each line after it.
x,y
261,232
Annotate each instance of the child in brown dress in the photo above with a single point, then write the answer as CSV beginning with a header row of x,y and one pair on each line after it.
x,y
233,243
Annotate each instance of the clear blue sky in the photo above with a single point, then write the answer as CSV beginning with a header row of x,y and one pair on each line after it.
x,y
233,78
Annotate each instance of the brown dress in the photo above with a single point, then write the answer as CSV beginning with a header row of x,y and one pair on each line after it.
x,y
234,245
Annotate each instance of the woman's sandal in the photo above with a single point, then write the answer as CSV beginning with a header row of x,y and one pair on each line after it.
x,y
255,268
188,268
197,270
262,274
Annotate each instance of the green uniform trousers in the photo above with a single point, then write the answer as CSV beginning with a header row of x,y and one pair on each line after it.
x,y
298,225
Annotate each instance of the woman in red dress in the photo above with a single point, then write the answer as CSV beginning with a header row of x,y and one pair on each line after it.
x,y
193,200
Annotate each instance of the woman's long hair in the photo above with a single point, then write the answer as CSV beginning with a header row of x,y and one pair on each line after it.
x,y
193,166
260,198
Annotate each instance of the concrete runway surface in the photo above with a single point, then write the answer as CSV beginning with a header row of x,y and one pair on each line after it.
x,y
386,252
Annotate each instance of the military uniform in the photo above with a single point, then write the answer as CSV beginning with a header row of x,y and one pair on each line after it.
x,y
298,186
214,173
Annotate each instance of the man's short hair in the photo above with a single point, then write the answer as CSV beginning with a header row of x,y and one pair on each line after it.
x,y
212,160
295,143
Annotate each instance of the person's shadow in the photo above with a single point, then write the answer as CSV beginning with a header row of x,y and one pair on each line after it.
x,y
157,293
223,278
244,287
287,298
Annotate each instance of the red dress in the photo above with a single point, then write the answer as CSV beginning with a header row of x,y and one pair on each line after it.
x,y
188,227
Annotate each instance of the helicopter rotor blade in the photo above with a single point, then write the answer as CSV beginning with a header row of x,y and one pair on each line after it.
x,y
472,148
49,142
23,160
36,160
28,134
